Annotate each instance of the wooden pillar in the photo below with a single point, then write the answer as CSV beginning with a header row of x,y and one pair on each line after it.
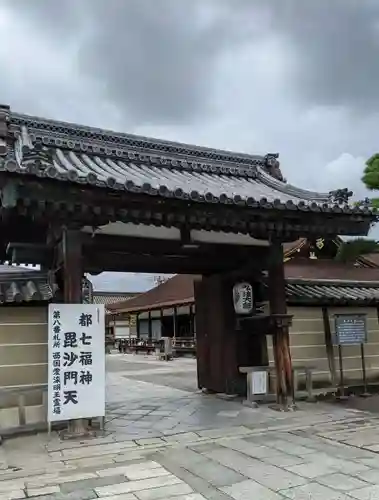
x,y
161,317
72,292
138,330
280,324
175,321
150,330
191,321
329,346
72,266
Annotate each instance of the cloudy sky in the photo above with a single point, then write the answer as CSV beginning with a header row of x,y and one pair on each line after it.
x,y
295,76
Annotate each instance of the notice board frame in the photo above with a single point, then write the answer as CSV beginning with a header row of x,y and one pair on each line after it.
x,y
360,340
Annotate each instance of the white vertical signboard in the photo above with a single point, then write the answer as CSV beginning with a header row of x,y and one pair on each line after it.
x,y
76,361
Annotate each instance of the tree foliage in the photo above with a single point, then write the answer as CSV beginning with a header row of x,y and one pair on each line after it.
x,y
371,177
350,251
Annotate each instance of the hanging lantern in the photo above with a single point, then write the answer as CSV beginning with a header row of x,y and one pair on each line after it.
x,y
87,291
243,298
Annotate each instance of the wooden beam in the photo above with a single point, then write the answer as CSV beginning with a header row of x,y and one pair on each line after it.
x,y
152,264
159,246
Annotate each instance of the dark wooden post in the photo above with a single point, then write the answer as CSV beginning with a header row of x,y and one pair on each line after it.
x,y
150,331
138,330
175,321
72,292
191,321
280,324
329,346
161,318
72,266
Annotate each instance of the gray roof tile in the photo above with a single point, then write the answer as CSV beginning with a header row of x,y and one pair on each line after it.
x,y
19,284
159,168
338,293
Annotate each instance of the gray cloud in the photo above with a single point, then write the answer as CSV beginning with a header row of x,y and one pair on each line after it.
x,y
152,59
294,76
336,45
155,60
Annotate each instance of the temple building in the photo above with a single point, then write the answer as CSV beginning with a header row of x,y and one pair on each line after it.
x,y
78,200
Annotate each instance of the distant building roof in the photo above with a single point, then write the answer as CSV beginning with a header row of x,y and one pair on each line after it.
x,y
22,284
107,298
307,280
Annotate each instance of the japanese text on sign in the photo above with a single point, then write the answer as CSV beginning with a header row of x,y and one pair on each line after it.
x,y
76,361
350,329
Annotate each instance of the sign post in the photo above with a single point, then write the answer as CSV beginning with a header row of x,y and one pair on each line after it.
x,y
351,329
76,382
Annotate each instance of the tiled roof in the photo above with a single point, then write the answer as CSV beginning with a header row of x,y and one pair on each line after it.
x,y
18,284
338,292
84,155
307,281
107,298
369,260
175,291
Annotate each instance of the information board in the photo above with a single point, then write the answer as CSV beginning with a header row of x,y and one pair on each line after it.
x,y
259,383
76,385
350,329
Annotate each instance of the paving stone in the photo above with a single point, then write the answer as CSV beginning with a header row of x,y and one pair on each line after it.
x,y
341,482
372,462
371,476
196,482
228,414
128,456
87,484
283,460
129,469
311,470
250,449
183,437
12,495
266,474
190,496
150,442
185,457
91,451
133,486
165,492
313,491
47,490
229,431
146,474
59,479
248,490
290,448
76,495
11,485
126,496
368,493
205,447
216,474
83,463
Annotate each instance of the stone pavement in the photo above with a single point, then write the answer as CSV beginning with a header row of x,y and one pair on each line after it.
x,y
212,449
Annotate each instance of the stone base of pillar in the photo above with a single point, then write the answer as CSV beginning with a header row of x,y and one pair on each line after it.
x,y
80,429
283,407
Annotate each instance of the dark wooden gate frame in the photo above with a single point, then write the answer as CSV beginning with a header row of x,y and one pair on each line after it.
x,y
43,212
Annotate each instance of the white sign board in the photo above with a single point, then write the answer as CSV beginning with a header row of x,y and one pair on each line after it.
x,y
259,382
76,387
